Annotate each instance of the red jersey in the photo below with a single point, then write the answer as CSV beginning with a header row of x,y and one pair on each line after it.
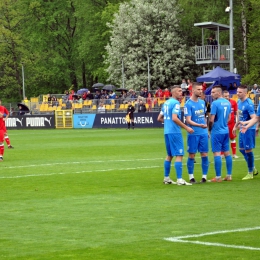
x,y
166,93
3,110
233,111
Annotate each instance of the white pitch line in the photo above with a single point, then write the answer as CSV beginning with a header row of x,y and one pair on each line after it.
x,y
63,173
100,161
64,163
179,239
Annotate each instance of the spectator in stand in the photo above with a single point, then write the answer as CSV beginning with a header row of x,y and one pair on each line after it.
x,y
189,87
54,101
80,100
84,95
112,95
184,87
71,95
5,112
204,86
159,93
141,92
97,95
141,107
65,97
133,95
49,99
90,96
255,89
166,94
145,93
101,108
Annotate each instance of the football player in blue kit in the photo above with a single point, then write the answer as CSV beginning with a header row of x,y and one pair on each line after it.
x,y
194,111
247,119
218,127
169,115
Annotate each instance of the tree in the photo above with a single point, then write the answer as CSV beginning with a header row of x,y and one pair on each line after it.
x,y
145,30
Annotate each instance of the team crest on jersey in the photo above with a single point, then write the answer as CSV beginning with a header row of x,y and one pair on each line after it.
x,y
180,151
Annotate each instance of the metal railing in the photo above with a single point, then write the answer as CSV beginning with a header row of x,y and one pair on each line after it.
x,y
212,52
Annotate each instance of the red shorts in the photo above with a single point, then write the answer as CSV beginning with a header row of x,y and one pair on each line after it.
x,y
230,128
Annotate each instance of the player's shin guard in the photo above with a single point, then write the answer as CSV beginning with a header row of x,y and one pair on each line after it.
x,y
233,145
244,154
7,140
229,163
178,169
167,168
205,165
128,124
190,165
250,161
218,165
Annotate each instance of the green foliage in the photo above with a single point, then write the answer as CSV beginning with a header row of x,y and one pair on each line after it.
x,y
143,29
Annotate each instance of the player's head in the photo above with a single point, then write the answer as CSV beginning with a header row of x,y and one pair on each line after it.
x,y
197,89
176,91
216,92
226,94
242,92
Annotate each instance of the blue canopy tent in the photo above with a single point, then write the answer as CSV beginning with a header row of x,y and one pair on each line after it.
x,y
220,76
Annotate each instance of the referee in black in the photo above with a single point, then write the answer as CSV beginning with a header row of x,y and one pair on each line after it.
x,y
130,111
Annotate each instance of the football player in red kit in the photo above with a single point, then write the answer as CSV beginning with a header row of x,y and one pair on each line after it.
x,y
232,123
5,112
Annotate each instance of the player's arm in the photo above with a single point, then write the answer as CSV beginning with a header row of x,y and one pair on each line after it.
x,y
7,114
178,122
190,122
160,117
247,124
211,122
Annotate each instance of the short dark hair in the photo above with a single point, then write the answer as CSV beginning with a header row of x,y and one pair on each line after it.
x,y
217,87
225,91
175,86
195,84
243,87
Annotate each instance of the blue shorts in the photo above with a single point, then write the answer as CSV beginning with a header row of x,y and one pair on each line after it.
x,y
174,144
220,142
247,140
197,143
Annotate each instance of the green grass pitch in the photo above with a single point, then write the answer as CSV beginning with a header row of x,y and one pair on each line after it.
x,y
98,194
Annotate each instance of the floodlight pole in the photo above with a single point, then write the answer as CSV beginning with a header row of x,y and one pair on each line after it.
x,y
148,71
23,82
231,37
123,73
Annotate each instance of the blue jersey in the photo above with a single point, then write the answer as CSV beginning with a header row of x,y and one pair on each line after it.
x,y
245,110
196,110
258,110
170,107
221,108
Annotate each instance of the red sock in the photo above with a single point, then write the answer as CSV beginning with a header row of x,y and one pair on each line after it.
x,y
234,148
7,140
2,148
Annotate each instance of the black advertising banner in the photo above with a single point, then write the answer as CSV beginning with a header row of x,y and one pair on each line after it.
x,y
32,121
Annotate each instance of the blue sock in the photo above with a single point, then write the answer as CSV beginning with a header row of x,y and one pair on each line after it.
x,y
244,154
205,165
178,169
190,165
229,163
167,168
218,165
250,161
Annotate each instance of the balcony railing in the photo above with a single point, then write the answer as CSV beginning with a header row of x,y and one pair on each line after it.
x,y
213,53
